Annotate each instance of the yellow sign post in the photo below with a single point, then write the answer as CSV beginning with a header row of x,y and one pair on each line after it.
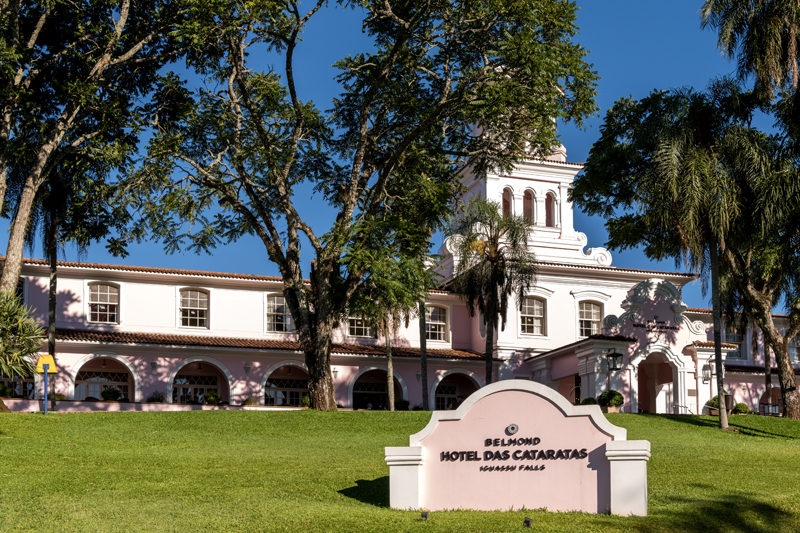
x,y
46,359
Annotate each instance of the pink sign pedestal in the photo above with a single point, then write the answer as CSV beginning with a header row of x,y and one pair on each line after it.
x,y
515,444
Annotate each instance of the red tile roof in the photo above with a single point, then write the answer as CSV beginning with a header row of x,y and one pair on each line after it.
x,y
122,337
618,269
744,369
596,337
710,344
709,311
154,270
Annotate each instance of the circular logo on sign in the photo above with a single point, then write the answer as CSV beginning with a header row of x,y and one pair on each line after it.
x,y
513,428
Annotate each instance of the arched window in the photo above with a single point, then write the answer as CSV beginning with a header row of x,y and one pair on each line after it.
x,y
103,303
279,318
533,317
435,323
591,314
194,308
527,205
550,210
506,202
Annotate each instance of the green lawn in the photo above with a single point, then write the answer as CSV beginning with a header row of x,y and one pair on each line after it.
x,y
308,471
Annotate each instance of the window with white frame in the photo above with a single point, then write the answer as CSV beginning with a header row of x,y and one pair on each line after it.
x,y
435,323
533,317
358,327
589,317
103,303
279,318
793,350
733,336
194,308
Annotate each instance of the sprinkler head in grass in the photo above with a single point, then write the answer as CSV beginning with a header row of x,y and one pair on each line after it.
x,y
425,515
527,522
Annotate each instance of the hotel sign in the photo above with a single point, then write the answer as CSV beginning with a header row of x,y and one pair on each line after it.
x,y
517,444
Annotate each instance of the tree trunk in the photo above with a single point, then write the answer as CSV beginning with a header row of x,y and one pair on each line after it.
x,y
767,364
321,394
489,349
389,367
788,381
3,407
52,253
715,299
423,356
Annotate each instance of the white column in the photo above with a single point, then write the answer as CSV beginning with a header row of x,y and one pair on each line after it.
x,y
628,462
539,211
405,476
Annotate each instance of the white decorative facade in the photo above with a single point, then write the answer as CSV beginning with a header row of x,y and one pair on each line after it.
x,y
180,334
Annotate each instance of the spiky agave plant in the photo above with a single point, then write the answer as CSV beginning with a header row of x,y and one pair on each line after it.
x,y
20,337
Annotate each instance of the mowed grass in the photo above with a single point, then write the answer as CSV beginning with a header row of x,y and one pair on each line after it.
x,y
310,471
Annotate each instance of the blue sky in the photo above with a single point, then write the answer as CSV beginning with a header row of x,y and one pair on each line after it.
x,y
635,47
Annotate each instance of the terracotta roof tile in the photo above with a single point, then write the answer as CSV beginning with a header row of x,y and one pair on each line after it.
x,y
618,269
710,344
122,337
709,311
598,337
745,369
154,270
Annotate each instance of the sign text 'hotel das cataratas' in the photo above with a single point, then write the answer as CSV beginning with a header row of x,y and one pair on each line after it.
x,y
515,444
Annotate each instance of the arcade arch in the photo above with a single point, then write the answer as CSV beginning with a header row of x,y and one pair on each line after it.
x,y
368,386
453,387
192,378
284,384
102,370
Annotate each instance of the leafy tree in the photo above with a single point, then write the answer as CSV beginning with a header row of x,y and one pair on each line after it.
x,y
20,338
765,34
492,261
398,135
70,77
73,205
685,175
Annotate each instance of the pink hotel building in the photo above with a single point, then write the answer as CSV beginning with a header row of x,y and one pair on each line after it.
x,y
183,333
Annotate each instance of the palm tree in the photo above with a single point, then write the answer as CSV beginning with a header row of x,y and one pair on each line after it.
x,y
766,36
492,262
683,173
20,338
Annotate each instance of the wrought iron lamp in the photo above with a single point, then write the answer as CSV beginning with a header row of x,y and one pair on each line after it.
x,y
614,359
247,369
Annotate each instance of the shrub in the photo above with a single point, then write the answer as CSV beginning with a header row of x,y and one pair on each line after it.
x,y
111,394
5,392
417,408
741,409
155,397
91,399
611,398
713,402
250,401
58,396
212,398
589,401
401,405
305,400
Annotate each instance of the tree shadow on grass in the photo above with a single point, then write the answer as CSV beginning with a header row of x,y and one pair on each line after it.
x,y
741,428
726,514
372,492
